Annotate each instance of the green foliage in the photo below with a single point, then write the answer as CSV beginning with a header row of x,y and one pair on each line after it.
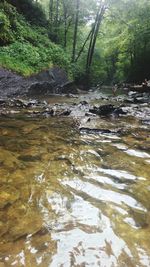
x,y
31,10
27,49
5,30
122,49
126,40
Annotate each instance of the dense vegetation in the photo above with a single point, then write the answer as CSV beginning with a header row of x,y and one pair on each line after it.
x,y
105,41
24,48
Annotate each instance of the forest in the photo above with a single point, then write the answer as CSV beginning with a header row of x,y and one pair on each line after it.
x,y
103,42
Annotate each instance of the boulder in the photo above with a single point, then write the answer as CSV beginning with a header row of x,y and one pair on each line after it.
x,y
68,88
41,88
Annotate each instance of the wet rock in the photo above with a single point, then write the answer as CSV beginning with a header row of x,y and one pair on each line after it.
x,y
46,82
2,102
106,110
48,112
67,88
137,98
65,113
41,88
98,131
72,96
21,103
87,114
83,102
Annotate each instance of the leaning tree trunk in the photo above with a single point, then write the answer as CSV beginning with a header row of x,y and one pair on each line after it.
x,y
94,35
65,23
91,42
51,13
75,30
56,20
82,48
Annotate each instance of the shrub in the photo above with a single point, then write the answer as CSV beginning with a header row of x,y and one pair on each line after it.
x,y
26,49
5,30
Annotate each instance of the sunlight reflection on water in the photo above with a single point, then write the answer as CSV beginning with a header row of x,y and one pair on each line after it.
x,y
69,199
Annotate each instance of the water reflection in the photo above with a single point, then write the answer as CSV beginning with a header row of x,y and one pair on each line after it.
x,y
70,199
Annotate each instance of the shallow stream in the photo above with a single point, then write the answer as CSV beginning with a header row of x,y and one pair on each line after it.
x,y
72,199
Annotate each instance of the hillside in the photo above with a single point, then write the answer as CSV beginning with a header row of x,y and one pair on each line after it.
x,y
25,48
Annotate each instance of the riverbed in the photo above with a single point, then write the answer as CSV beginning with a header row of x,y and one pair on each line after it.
x,y
70,198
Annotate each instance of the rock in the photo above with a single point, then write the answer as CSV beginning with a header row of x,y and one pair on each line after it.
x,y
67,88
106,110
8,196
44,76
72,96
98,131
29,158
65,113
46,82
2,102
21,103
83,102
41,88
102,110
59,75
11,83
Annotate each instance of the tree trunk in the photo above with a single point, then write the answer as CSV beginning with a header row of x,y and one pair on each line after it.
x,y
75,30
56,20
57,11
82,48
97,23
51,12
65,24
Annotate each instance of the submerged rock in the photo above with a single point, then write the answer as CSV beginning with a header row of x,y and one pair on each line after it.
x,y
30,158
8,196
98,131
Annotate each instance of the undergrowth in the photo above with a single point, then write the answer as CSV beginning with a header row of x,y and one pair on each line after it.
x,y
26,49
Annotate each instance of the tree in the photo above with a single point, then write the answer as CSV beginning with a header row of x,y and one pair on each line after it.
x,y
75,30
94,34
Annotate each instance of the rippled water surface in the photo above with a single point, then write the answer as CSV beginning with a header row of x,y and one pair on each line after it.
x,y
71,199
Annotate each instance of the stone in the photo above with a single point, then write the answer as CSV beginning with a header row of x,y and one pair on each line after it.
x,y
68,87
41,88
106,110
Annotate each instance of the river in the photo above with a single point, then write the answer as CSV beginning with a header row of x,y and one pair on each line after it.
x,y
73,199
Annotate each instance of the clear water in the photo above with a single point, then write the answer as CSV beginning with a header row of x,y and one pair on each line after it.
x,y
69,199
